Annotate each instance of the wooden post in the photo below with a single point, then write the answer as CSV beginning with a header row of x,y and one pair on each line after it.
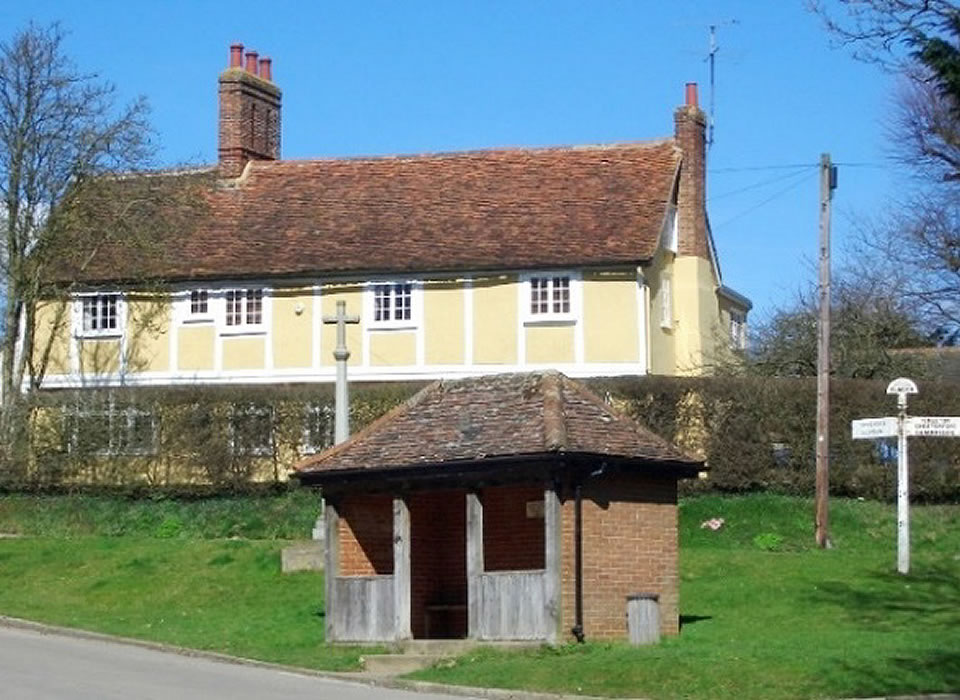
x,y
474,564
401,569
551,561
822,519
331,566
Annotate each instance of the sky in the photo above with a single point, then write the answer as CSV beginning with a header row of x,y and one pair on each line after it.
x,y
387,77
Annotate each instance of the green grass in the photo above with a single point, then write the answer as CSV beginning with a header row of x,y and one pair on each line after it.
x,y
222,595
289,515
765,614
796,622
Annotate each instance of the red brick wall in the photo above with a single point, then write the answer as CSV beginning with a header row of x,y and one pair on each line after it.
x,y
511,540
690,123
438,561
366,535
249,125
629,546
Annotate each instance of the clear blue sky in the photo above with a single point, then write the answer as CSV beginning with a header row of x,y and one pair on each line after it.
x,y
382,77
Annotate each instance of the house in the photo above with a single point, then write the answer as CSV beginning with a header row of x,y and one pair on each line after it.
x,y
526,509
593,260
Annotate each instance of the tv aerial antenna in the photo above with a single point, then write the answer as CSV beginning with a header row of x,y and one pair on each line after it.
x,y
713,48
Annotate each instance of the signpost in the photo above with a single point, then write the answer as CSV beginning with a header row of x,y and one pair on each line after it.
x,y
903,426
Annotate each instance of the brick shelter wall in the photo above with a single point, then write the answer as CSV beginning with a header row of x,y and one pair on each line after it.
x,y
438,562
366,535
630,546
511,540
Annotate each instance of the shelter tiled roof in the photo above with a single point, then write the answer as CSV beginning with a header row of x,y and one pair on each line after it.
x,y
498,209
498,416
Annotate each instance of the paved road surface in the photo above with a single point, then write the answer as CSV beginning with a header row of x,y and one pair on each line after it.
x,y
34,666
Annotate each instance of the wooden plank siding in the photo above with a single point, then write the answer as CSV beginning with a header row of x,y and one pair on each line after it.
x,y
513,606
364,610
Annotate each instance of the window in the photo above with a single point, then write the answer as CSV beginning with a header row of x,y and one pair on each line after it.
x,y
666,303
244,307
738,330
100,314
199,302
105,428
318,431
393,304
251,429
549,295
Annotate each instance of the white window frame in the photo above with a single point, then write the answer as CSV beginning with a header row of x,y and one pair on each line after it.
x,y
245,323
666,302
416,305
250,409
78,316
550,316
118,422
207,316
312,412
738,330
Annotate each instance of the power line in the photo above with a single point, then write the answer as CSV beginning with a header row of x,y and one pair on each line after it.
x,y
768,181
764,167
769,199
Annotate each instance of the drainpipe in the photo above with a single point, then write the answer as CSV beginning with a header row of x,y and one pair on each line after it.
x,y
577,629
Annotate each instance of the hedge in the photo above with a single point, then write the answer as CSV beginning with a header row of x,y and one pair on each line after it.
x,y
755,434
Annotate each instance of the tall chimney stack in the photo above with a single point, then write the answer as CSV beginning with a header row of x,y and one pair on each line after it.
x,y
249,124
690,134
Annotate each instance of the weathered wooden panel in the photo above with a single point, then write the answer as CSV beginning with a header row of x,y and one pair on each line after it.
x,y
401,569
331,517
513,605
474,563
363,610
643,618
551,524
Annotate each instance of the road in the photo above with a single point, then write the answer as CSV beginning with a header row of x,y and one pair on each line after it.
x,y
48,666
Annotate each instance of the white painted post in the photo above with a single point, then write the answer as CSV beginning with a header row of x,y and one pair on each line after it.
x,y
341,354
902,387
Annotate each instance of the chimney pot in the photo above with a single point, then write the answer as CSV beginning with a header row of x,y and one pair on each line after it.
x,y
251,62
691,94
236,55
265,71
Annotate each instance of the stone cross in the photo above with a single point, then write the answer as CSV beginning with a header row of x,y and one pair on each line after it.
x,y
341,354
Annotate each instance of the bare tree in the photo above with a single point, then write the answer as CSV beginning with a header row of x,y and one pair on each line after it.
x,y
74,197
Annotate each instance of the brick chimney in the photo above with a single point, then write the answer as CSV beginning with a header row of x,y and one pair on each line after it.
x,y
249,112
690,133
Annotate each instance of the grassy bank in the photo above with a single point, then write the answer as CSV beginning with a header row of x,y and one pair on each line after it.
x,y
286,515
765,615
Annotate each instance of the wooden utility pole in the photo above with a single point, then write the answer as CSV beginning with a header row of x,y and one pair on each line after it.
x,y
828,182
341,354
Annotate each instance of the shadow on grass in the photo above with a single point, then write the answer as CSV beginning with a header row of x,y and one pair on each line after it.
x,y
922,609
690,619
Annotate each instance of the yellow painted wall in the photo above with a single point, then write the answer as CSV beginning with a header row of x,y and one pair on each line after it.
x,y
393,348
611,317
495,320
329,296
292,332
550,344
696,313
195,346
148,346
99,356
662,344
53,331
443,323
244,353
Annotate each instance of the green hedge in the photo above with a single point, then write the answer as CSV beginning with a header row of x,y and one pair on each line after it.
x,y
755,433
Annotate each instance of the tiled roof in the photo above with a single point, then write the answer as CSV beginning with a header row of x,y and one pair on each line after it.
x,y
493,417
499,209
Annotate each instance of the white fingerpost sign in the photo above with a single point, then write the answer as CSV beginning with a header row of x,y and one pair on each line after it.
x,y
903,426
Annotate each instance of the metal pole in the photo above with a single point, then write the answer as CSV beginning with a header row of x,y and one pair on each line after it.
x,y
903,489
823,363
